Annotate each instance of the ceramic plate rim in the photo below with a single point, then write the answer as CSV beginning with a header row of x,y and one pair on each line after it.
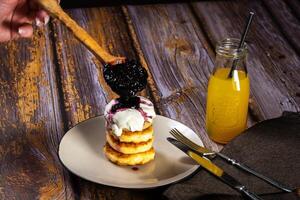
x,y
179,177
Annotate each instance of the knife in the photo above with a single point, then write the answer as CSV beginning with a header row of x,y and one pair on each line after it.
x,y
215,170
202,151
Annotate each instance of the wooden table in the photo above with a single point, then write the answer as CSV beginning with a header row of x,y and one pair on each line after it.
x,y
51,82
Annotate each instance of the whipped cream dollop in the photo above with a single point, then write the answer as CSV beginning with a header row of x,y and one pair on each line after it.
x,y
129,118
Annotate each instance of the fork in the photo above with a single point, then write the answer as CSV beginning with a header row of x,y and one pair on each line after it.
x,y
209,153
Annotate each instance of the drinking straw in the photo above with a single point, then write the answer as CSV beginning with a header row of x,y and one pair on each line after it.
x,y
241,44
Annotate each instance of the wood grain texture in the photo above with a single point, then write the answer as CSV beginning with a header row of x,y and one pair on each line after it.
x,y
42,94
273,64
170,41
287,21
30,123
84,90
175,52
295,6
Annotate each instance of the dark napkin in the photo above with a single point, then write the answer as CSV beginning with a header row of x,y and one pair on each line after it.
x,y
271,147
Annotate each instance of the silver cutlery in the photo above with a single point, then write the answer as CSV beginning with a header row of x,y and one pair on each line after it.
x,y
209,154
215,170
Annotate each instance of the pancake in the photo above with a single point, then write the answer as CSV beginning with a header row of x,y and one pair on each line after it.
x,y
129,130
136,136
128,147
146,125
128,159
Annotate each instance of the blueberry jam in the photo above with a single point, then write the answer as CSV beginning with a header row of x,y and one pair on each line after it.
x,y
126,80
127,102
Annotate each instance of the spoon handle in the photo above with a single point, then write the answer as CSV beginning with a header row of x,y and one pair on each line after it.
x,y
56,11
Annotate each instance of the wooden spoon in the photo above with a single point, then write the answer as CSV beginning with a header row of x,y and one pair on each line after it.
x,y
54,9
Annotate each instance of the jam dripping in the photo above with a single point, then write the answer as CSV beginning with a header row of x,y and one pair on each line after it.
x,y
135,168
126,102
126,79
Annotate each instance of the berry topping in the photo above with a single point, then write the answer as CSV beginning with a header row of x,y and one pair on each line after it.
x,y
127,102
126,79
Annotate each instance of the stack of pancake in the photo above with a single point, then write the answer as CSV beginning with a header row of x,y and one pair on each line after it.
x,y
129,133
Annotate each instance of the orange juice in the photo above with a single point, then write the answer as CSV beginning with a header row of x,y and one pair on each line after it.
x,y
227,104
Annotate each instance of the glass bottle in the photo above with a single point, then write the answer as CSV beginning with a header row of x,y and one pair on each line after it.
x,y
228,92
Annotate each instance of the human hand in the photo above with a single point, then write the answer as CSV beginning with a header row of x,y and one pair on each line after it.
x,y
17,17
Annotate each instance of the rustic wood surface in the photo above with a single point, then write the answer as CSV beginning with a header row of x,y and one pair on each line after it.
x,y
31,125
274,64
51,82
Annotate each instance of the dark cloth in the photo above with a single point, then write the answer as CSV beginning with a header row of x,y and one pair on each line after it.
x,y
271,147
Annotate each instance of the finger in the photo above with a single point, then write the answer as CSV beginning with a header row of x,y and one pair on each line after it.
x,y
22,14
42,18
25,31
5,36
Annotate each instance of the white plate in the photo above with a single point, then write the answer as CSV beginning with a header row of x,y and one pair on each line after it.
x,y
80,150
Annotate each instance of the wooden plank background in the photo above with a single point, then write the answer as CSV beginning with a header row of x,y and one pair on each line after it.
x,y
31,125
51,82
